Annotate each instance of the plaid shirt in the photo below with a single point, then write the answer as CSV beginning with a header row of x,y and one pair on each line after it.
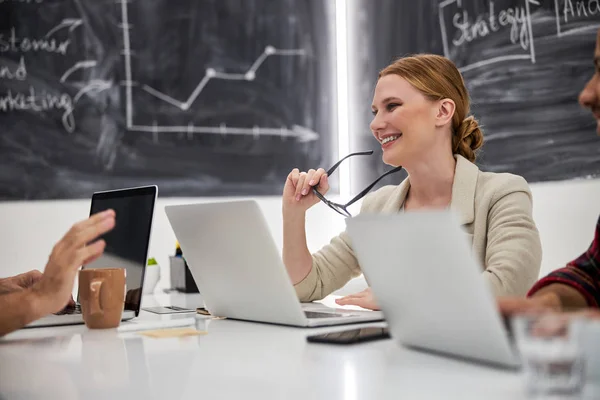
x,y
582,274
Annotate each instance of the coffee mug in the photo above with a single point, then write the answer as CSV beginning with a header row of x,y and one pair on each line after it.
x,y
102,296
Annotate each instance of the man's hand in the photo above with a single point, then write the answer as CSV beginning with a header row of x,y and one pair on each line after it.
x,y
56,283
23,281
19,282
548,325
362,299
510,306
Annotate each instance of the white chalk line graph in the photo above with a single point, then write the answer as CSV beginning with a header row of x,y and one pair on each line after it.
x,y
211,73
302,134
482,63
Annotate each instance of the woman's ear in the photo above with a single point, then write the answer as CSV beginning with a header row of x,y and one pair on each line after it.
x,y
446,108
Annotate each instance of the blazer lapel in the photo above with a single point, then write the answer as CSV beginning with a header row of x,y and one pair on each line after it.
x,y
463,190
396,200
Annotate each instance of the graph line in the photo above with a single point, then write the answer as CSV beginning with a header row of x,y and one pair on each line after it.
x,y
211,73
300,133
127,54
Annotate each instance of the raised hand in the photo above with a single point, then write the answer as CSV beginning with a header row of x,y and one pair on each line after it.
x,y
297,192
72,251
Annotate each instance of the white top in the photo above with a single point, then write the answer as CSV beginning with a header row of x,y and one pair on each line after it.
x,y
235,360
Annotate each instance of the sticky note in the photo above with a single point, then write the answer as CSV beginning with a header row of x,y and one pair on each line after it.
x,y
171,333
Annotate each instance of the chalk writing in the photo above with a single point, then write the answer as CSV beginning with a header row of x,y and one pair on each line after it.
x,y
579,9
22,1
19,73
571,13
13,43
470,29
467,27
43,101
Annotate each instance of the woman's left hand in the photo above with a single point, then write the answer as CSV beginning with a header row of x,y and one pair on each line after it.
x,y
362,299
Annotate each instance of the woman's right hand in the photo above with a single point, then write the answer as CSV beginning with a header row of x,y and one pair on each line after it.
x,y
297,192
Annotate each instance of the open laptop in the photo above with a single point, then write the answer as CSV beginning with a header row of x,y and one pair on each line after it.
x,y
238,268
429,287
126,247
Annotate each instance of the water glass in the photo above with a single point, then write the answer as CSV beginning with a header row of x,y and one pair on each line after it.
x,y
553,362
589,338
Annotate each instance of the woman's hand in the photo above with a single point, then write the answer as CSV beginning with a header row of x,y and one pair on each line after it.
x,y
364,299
297,192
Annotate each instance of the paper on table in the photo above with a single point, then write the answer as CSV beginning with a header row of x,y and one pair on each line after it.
x,y
141,325
171,333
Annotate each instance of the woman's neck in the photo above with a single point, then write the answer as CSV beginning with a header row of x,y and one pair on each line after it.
x,y
431,182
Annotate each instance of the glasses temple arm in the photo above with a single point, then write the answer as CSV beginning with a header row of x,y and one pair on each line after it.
x,y
337,164
368,188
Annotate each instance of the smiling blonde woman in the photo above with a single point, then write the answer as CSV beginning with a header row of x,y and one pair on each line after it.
x,y
421,120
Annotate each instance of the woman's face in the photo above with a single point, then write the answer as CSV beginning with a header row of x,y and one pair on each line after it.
x,y
404,120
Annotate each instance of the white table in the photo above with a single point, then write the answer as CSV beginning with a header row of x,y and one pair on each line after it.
x,y
235,360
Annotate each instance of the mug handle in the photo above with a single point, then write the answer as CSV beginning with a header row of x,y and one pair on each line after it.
x,y
95,290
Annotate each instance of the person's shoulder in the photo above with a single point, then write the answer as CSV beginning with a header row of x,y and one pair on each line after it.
x,y
377,199
500,184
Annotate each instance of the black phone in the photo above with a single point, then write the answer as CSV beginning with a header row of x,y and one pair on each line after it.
x,y
351,336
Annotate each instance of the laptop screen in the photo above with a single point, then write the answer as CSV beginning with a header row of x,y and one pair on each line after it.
x,y
127,244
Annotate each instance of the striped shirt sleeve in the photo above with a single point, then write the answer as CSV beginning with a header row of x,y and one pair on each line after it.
x,y
582,274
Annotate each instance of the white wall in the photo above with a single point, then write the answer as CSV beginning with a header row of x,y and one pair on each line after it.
x,y
565,212
30,229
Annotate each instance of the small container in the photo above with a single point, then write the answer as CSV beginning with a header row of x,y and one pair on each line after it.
x,y
151,276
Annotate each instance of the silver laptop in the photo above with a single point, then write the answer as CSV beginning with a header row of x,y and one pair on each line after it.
x,y
238,269
429,287
126,247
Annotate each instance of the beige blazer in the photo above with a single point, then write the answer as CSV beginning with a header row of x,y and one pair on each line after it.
x,y
495,212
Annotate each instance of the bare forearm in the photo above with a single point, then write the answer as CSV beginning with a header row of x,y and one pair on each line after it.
x,y
296,256
569,297
19,308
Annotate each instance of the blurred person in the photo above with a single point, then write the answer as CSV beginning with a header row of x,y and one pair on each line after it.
x,y
27,297
575,287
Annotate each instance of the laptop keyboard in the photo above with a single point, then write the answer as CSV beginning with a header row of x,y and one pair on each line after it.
x,y
76,309
315,314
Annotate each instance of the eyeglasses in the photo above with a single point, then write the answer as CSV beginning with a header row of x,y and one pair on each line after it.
x,y
343,208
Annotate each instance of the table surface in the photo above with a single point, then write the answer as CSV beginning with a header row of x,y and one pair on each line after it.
x,y
235,359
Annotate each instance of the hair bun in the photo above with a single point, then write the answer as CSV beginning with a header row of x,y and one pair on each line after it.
x,y
468,138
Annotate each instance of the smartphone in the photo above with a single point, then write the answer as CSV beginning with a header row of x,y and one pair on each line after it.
x,y
351,336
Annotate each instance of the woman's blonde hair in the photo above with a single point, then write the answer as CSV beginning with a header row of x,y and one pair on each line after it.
x,y
438,78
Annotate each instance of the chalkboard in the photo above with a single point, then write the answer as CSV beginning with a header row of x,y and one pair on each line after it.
x,y
524,63
201,97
